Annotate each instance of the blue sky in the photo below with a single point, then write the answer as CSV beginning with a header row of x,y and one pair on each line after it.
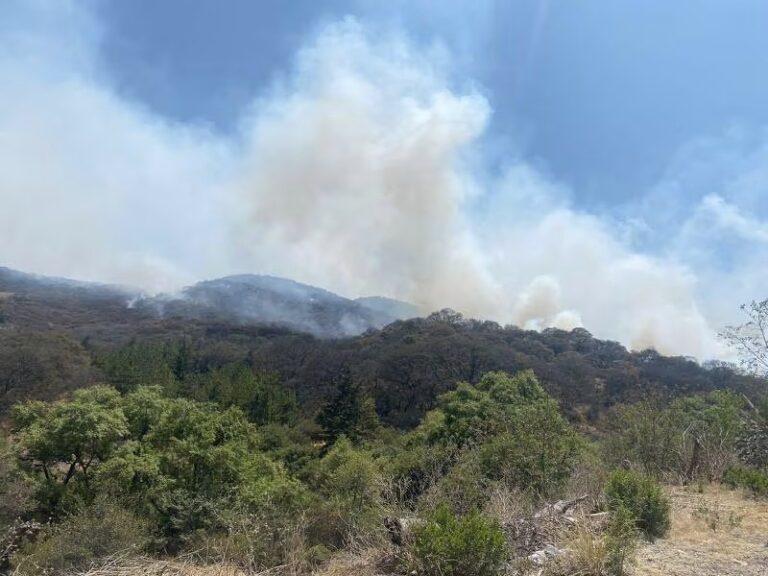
x,y
603,93
601,163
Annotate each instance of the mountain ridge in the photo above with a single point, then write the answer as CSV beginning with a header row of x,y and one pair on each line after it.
x,y
239,298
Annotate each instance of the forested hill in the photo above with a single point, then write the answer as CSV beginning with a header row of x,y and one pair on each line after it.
x,y
32,300
63,336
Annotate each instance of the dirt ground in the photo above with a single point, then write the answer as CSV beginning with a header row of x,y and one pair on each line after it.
x,y
717,532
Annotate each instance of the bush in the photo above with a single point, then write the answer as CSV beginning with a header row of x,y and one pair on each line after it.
x,y
621,541
350,504
449,545
521,437
641,497
747,478
540,461
81,540
463,488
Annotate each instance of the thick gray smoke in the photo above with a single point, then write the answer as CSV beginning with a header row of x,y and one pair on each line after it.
x,y
358,173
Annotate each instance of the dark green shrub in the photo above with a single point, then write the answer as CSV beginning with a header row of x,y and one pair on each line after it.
x,y
449,545
643,498
540,461
747,478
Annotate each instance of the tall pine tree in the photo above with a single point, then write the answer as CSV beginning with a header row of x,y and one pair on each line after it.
x,y
350,412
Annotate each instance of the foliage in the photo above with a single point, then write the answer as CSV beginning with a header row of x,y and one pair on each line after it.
x,y
261,396
351,488
138,364
691,437
291,446
83,539
523,439
40,364
621,540
171,460
540,460
462,488
16,493
349,413
415,467
747,478
403,367
450,545
68,441
640,497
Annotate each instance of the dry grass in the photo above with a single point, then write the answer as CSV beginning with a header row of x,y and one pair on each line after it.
x,y
363,563
717,532
124,566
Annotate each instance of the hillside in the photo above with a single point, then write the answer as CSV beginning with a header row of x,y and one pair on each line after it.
x,y
59,327
250,298
35,301
223,445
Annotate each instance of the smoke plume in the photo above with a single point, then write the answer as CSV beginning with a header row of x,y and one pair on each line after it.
x,y
361,172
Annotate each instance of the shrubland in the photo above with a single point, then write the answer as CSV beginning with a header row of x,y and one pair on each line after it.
x,y
208,451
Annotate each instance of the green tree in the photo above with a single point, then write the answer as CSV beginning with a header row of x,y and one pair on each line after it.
x,y
63,443
175,462
350,413
137,364
263,398
522,437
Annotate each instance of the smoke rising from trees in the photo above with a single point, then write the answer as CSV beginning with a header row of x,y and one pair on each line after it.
x,y
360,171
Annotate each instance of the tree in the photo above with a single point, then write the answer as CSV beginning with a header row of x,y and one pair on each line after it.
x,y
350,413
750,339
63,442
521,437
261,396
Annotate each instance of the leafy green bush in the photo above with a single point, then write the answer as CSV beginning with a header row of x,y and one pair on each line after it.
x,y
540,461
349,484
641,497
463,488
81,540
748,478
525,442
449,545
